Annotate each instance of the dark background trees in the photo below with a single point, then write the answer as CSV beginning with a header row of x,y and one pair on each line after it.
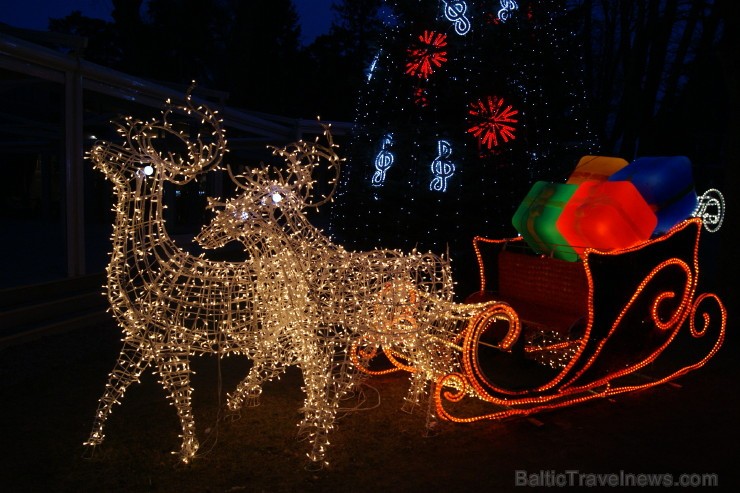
x,y
650,66
660,75
251,50
653,73
338,60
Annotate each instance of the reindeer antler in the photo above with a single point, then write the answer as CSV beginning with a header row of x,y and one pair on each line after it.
x,y
239,184
304,157
199,154
141,141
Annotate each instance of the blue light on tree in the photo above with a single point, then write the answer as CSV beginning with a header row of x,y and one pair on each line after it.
x,y
442,167
469,91
383,161
507,9
455,12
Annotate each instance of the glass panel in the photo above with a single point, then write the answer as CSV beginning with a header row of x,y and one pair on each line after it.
x,y
32,206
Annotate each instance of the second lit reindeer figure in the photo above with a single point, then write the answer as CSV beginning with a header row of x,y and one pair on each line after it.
x,y
387,299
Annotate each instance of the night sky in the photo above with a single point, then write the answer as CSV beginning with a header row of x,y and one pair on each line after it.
x,y
315,15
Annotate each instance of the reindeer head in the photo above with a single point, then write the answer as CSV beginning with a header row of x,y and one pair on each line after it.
x,y
273,200
161,148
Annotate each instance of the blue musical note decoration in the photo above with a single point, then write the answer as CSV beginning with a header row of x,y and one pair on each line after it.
x,y
455,11
383,161
442,167
507,9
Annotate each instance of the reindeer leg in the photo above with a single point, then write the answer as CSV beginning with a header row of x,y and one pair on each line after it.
x,y
319,408
132,361
415,395
174,370
328,378
248,391
431,426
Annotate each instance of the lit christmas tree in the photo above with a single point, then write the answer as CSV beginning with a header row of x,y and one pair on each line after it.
x,y
467,103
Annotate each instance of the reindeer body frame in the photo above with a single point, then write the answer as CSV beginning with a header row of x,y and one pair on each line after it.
x,y
401,302
172,305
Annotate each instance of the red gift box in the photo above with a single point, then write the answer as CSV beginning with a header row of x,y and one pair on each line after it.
x,y
607,215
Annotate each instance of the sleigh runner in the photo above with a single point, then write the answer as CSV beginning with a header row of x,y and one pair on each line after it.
x,y
574,331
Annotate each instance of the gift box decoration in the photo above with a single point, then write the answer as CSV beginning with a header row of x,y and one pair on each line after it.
x,y
595,168
666,184
607,215
536,218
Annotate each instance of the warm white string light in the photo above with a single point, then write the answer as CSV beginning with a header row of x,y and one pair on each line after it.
x,y
401,302
173,305
298,299
711,209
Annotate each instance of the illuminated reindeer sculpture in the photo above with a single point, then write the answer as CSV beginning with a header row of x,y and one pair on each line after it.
x,y
400,302
173,305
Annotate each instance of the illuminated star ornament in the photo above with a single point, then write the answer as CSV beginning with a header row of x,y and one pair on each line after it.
x,y
492,121
427,54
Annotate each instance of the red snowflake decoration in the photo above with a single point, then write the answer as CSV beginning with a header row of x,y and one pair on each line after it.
x,y
492,121
427,54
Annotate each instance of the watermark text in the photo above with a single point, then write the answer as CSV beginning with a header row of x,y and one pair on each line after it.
x,y
574,477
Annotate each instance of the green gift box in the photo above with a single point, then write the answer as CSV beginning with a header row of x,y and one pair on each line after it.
x,y
536,217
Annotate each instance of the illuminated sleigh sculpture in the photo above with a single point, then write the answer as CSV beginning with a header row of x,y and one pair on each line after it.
x,y
616,322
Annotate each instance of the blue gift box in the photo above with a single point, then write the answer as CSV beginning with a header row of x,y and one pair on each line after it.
x,y
666,184
536,217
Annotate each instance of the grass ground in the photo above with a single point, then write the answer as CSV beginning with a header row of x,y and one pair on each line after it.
x,y
49,390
